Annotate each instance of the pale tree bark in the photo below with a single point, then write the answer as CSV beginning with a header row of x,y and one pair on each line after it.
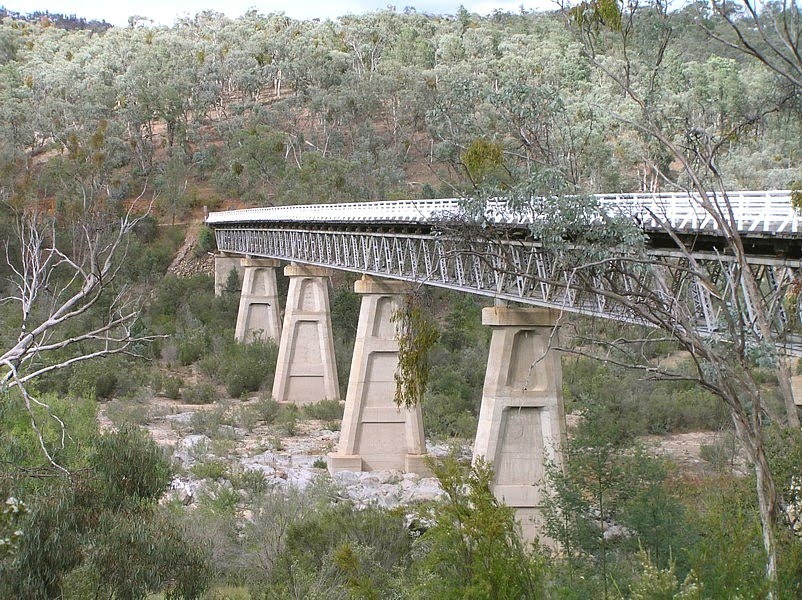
x,y
773,39
60,277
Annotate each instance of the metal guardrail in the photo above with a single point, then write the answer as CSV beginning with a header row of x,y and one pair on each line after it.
x,y
765,212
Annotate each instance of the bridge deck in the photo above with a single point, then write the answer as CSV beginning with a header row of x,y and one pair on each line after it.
x,y
753,212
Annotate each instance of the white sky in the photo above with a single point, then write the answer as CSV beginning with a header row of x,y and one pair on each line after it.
x,y
164,12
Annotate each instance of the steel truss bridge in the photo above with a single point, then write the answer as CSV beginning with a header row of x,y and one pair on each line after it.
x,y
686,274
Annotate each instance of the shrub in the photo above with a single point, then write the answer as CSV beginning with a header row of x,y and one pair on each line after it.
x,y
157,558
102,379
211,469
211,423
243,367
252,481
206,241
267,409
200,393
130,467
288,419
192,345
325,410
127,412
172,387
474,543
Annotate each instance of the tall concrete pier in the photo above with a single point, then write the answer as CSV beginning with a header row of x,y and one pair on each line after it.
x,y
223,264
305,369
259,314
521,422
376,434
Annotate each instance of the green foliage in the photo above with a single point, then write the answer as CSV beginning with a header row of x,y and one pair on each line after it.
x,y
473,550
206,240
214,422
156,558
607,480
252,481
130,468
458,365
484,161
10,516
200,393
19,445
103,378
287,419
653,583
672,407
597,13
417,333
171,387
337,551
77,527
242,368
267,409
728,557
325,410
211,469
128,412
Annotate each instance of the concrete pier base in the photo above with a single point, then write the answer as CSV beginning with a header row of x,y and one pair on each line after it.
x,y
259,315
796,389
223,264
305,369
521,421
376,434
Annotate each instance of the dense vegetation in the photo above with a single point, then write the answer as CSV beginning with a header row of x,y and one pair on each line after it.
x,y
267,110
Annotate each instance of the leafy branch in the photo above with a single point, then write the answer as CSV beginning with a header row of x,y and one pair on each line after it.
x,y
417,333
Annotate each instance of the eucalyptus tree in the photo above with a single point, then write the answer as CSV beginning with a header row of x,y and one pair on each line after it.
x,y
632,49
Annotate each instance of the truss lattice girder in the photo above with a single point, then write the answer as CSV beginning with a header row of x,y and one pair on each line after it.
x,y
516,271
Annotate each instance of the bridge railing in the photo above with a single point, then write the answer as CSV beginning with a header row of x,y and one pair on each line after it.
x,y
751,212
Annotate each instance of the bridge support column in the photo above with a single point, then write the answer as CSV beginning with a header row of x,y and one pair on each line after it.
x,y
305,369
258,316
521,421
796,389
223,263
376,434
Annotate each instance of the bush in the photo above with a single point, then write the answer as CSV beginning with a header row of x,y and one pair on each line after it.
x,y
288,419
267,409
201,393
192,345
213,423
102,379
172,387
206,240
325,410
157,558
649,407
243,368
211,469
127,412
130,468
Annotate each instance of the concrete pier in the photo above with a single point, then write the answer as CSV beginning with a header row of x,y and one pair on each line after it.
x,y
223,264
521,422
259,314
305,370
376,434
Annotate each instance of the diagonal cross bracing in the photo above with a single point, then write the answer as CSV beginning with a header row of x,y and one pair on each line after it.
x,y
405,243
